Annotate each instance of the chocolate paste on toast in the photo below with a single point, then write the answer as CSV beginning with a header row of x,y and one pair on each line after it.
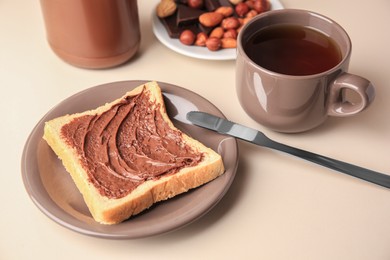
x,y
127,145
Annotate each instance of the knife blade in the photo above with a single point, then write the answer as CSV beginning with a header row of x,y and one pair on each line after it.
x,y
226,127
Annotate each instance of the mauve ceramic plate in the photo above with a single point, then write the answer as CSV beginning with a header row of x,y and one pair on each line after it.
x,y
54,193
194,51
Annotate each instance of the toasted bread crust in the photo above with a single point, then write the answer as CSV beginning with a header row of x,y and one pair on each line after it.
x,y
111,211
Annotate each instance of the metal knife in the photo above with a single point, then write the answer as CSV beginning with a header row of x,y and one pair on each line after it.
x,y
226,127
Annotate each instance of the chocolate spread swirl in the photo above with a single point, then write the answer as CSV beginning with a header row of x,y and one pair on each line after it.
x,y
127,145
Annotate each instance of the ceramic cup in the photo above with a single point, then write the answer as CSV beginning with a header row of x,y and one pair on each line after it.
x,y
296,103
92,33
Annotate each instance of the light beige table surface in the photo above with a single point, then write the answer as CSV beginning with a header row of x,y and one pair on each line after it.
x,y
278,207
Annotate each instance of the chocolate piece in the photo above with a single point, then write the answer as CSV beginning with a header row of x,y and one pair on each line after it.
x,y
170,25
225,3
205,29
187,15
188,18
173,30
211,5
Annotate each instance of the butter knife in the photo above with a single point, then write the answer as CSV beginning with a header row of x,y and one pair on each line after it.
x,y
226,127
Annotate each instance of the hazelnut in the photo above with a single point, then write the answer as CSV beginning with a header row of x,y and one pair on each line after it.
x,y
225,10
166,8
261,5
197,4
250,4
251,14
201,39
243,21
210,19
217,32
242,9
187,37
230,23
227,43
213,44
231,33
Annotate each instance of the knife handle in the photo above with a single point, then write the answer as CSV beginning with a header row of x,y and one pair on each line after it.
x,y
347,168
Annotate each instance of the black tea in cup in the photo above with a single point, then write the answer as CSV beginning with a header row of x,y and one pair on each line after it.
x,y
293,50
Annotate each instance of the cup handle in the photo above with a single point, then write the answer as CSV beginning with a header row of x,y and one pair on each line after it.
x,y
338,103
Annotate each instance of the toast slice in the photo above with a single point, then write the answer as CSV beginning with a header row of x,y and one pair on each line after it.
x,y
127,155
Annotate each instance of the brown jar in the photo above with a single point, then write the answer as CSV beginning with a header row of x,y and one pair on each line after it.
x,y
92,33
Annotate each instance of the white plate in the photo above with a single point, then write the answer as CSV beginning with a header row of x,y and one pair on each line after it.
x,y
194,51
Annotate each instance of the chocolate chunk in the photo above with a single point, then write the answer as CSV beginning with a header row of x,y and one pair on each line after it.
x,y
173,30
225,3
170,25
187,15
188,18
211,5
205,29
